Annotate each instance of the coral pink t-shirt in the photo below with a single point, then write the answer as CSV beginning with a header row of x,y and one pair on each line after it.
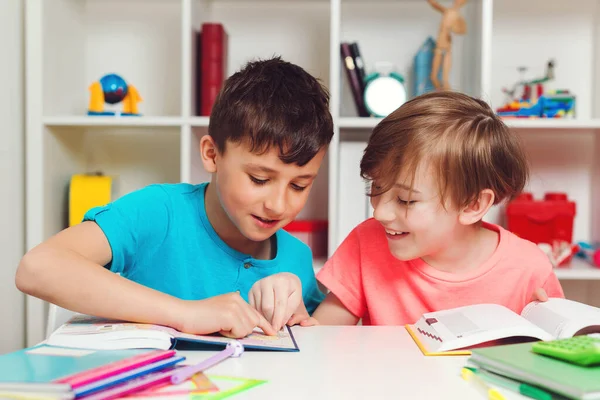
x,y
382,290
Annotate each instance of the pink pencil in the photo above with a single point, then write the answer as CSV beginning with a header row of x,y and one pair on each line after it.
x,y
105,371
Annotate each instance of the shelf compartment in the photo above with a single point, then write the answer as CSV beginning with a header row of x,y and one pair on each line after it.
x,y
518,40
298,31
84,40
395,31
134,157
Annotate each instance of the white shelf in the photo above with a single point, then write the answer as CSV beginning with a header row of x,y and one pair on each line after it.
x,y
552,123
343,123
578,270
102,121
200,122
358,122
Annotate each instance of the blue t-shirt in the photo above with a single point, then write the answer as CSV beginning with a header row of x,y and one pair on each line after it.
x,y
161,237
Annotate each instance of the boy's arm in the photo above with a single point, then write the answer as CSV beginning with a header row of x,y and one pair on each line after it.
x,y
67,270
341,274
332,312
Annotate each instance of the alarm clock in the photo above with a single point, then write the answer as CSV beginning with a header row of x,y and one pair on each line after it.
x,y
384,93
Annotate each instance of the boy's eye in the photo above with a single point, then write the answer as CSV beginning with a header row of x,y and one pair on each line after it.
x,y
258,181
405,202
298,187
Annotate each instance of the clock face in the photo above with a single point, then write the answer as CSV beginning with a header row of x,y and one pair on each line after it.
x,y
384,95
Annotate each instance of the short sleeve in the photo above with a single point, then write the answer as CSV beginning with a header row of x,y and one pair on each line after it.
x,y
341,274
134,222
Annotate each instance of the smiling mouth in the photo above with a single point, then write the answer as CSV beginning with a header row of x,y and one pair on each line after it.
x,y
265,220
395,235
392,233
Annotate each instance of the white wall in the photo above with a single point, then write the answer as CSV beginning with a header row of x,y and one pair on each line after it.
x,y
11,172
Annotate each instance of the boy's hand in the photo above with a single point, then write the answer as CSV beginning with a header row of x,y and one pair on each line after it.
x,y
302,318
227,314
539,295
277,297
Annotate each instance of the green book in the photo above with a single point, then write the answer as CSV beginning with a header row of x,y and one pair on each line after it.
x,y
518,362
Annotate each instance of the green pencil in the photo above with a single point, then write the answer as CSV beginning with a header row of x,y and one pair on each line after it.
x,y
515,386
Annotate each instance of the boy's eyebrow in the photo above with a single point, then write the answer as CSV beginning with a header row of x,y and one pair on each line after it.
x,y
272,171
405,187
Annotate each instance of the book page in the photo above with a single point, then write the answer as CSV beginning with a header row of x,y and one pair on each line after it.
x,y
92,325
257,339
83,331
470,325
563,318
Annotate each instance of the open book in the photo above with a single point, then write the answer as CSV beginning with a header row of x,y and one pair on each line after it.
x,y
454,331
87,332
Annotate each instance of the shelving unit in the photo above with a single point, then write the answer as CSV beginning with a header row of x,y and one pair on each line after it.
x,y
72,43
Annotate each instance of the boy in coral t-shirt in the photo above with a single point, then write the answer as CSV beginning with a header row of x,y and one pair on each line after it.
x,y
437,165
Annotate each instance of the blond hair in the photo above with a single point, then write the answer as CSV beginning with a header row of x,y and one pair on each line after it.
x,y
465,143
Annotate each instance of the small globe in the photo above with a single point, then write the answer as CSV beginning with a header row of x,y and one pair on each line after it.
x,y
114,88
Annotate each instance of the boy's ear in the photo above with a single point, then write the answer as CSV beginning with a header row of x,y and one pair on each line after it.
x,y
208,153
475,211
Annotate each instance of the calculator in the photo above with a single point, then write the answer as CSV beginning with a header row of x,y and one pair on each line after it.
x,y
582,350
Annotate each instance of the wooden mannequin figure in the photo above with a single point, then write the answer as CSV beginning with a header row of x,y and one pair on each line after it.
x,y
452,22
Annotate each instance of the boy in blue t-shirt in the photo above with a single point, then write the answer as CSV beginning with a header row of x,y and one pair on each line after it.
x,y
210,257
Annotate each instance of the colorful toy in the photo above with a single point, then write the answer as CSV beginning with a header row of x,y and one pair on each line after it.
x,y
112,89
589,252
542,220
559,252
534,101
547,222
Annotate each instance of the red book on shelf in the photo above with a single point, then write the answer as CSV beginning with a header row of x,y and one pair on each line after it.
x,y
213,64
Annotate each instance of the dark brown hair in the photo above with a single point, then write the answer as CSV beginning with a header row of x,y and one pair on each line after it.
x,y
273,103
465,143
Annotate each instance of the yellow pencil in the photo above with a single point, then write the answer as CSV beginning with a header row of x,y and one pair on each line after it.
x,y
473,379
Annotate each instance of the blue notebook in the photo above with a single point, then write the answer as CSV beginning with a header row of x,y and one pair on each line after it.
x,y
44,364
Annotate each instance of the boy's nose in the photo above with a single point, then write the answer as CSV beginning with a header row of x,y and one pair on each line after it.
x,y
275,204
384,212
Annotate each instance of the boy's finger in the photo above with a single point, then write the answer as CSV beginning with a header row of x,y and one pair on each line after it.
x,y
255,299
309,322
281,305
229,334
295,309
267,303
539,295
296,319
265,325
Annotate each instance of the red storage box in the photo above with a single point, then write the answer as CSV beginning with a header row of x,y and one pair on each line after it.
x,y
311,232
542,221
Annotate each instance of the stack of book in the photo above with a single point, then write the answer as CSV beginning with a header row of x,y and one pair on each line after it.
x,y
95,358
518,368
64,373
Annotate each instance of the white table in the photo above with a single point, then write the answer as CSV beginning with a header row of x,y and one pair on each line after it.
x,y
357,362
